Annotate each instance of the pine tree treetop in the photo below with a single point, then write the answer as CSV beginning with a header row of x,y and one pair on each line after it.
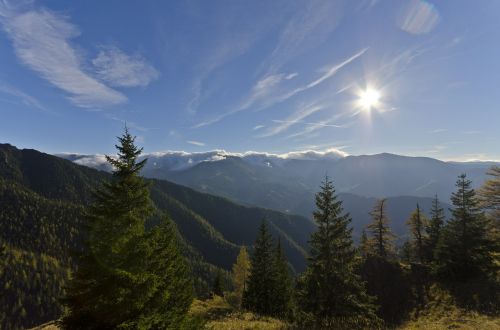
x,y
126,164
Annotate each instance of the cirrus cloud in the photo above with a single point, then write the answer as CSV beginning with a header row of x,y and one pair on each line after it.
x,y
43,41
119,69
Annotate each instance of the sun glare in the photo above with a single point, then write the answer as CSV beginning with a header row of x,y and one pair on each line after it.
x,y
369,99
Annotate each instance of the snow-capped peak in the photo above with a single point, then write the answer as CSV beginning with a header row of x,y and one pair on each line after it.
x,y
180,160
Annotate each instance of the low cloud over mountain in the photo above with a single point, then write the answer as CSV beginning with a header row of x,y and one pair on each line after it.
x,y
181,160
287,182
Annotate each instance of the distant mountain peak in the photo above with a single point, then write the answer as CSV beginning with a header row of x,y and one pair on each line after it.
x,y
181,160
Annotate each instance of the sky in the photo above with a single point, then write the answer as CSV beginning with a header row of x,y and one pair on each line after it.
x,y
415,77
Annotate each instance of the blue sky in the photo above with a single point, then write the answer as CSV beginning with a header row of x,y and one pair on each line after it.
x,y
274,76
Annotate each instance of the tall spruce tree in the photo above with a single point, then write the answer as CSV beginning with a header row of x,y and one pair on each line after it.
x,y
465,249
433,229
381,237
127,277
283,289
417,223
330,289
258,296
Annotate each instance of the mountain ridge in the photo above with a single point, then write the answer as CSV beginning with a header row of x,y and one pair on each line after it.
x,y
289,185
42,202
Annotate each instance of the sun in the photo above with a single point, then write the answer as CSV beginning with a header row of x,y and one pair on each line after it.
x,y
369,99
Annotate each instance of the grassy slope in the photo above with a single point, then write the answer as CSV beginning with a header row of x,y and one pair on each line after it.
x,y
441,312
220,316
453,319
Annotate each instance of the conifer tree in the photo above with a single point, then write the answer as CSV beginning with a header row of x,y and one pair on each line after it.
x,y
218,287
465,249
258,296
282,289
417,223
381,240
170,273
490,194
330,289
433,228
127,277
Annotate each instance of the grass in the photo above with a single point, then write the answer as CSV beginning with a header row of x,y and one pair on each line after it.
x,y
246,321
221,316
456,319
47,326
441,312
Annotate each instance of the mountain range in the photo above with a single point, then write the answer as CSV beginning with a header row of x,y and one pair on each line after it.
x,y
217,201
42,203
288,182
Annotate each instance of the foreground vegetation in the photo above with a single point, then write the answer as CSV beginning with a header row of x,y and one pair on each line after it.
x,y
217,313
441,313
131,272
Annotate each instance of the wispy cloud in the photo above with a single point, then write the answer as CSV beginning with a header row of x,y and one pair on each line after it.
x,y
270,81
329,72
394,66
310,26
218,55
131,124
119,69
418,17
41,41
276,98
22,96
196,143
258,127
264,88
438,130
311,127
293,119
473,132
324,123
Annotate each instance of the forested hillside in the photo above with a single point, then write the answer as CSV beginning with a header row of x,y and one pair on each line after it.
x,y
289,185
42,201
37,235
42,217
